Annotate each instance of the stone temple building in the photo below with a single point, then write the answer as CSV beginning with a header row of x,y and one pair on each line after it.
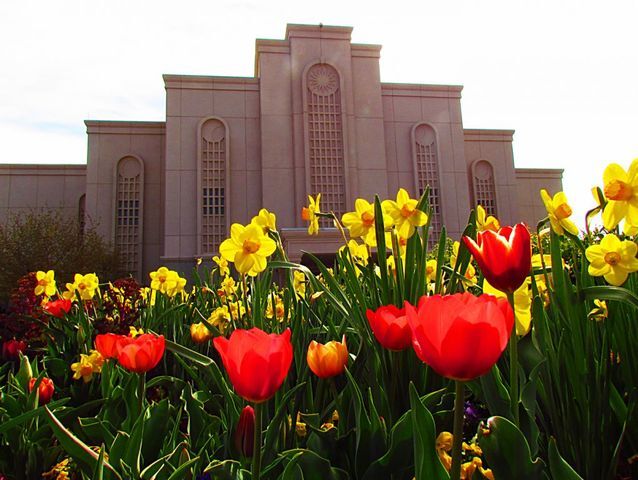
x,y
315,117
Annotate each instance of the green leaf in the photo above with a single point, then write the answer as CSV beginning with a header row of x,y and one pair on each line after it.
x,y
78,450
307,465
180,472
400,454
192,355
507,451
559,468
609,292
20,419
275,424
155,430
98,471
427,464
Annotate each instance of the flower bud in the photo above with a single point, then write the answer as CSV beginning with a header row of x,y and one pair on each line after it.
x,y
11,349
245,433
45,389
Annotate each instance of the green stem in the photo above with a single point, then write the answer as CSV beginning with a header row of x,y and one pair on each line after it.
x,y
459,404
513,350
256,470
141,391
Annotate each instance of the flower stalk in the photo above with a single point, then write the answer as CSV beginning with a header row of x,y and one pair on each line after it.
x,y
513,351
459,407
256,470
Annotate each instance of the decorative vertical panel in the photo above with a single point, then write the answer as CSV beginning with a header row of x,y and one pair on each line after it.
x,y
213,184
324,138
129,194
426,167
484,186
82,213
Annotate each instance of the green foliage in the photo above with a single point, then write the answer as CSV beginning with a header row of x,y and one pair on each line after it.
x,y
48,240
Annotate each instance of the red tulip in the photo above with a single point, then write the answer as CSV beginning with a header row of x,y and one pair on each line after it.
x,y
390,327
58,308
142,353
107,344
257,363
11,349
327,360
505,257
245,433
460,336
45,389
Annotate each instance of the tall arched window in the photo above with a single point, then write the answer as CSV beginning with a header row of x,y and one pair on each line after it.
x,y
426,167
129,196
324,137
484,187
213,172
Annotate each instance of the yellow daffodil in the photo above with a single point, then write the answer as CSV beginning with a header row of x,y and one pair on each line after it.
x,y
164,280
46,283
148,295
200,333
266,220
486,222
237,310
299,283
404,214
222,266
178,288
309,214
228,287
358,251
278,310
430,270
599,312
247,248
85,285
360,223
455,253
621,191
612,258
522,305
559,211
135,332
87,366
220,318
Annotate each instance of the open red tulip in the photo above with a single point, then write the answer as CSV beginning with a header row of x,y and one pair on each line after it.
x,y
58,308
460,336
505,257
107,344
390,327
142,353
257,362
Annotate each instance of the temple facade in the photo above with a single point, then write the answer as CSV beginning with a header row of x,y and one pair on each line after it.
x,y
315,118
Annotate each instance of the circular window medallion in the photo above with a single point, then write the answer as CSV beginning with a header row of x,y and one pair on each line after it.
x,y
323,80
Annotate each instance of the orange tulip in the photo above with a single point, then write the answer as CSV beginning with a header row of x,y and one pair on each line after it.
x,y
327,360
141,353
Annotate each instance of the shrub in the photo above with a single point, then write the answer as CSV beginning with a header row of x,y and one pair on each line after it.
x,y
48,240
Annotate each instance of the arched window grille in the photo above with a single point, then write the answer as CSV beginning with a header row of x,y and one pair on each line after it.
x,y
426,165
129,197
213,184
484,186
325,144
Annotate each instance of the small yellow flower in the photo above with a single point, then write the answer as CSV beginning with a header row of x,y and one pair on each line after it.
x,y
612,258
299,283
522,305
247,248
599,312
309,214
198,262
200,333
237,310
222,266
430,270
148,295
228,286
404,214
559,211
358,251
46,283
486,222
87,366
134,332
164,280
85,285
219,318
360,223
278,311
621,190
266,220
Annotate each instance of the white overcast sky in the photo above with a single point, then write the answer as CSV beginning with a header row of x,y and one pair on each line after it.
x,y
563,74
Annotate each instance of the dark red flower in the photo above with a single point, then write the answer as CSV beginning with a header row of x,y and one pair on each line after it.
x,y
505,257
12,348
45,389
245,433
460,336
142,353
58,308
390,327
257,363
